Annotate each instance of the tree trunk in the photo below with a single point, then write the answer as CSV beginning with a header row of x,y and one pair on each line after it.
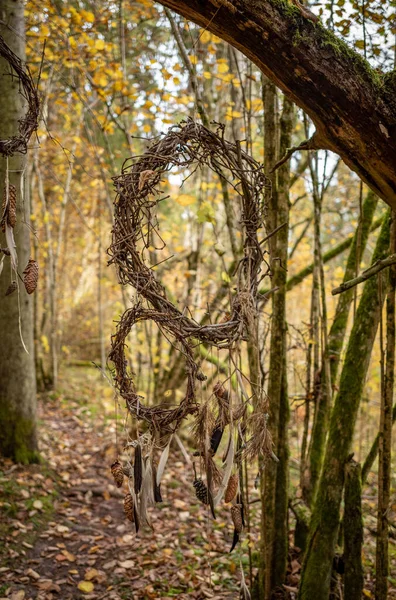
x,y
274,527
315,580
353,107
17,374
335,343
385,437
353,532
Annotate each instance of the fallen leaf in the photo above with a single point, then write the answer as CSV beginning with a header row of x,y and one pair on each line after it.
x,y
86,587
127,564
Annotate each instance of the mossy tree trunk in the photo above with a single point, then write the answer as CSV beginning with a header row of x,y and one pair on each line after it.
x,y
275,490
353,532
333,352
17,373
385,436
316,573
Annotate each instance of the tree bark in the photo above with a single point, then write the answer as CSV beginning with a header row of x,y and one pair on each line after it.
x,y
274,525
385,436
335,343
315,580
18,438
353,532
352,106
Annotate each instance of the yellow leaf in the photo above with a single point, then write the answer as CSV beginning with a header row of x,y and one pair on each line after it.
x,y
99,44
207,75
205,37
222,68
86,587
88,16
91,574
193,59
185,199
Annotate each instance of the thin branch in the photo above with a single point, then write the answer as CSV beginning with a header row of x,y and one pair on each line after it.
x,y
376,268
310,144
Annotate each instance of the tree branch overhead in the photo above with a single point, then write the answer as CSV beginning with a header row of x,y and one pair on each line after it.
x,y
353,107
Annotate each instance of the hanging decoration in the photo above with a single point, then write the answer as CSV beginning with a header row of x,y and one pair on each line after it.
x,y
229,416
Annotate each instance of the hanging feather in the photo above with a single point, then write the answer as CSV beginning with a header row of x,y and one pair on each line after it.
x,y
138,469
228,469
209,477
240,502
117,472
11,246
156,488
136,518
146,493
215,438
235,540
11,288
232,488
162,462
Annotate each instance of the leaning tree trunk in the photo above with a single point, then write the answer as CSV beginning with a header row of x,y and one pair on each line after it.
x,y
335,343
17,374
316,574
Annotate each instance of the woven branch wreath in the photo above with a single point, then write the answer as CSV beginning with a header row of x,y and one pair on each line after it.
x,y
189,146
29,124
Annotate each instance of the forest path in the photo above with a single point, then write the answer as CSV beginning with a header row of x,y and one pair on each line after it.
x,y
65,533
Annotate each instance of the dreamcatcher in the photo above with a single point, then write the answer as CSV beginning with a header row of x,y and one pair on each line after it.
x,y
233,415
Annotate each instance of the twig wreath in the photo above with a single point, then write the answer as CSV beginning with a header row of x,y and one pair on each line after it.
x,y
189,146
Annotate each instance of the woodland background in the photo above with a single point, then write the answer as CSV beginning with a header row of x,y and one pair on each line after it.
x,y
112,76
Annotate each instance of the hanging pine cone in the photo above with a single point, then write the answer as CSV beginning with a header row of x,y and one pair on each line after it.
x,y
236,514
232,488
129,507
11,288
201,491
30,276
10,213
117,472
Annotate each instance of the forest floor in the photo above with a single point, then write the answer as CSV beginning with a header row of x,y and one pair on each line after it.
x,y
64,533
64,530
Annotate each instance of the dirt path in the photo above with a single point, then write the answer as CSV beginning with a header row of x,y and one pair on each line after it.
x,y
66,535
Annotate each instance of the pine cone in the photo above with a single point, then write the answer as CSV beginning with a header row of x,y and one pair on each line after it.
x,y
118,473
30,276
236,514
10,212
11,288
201,491
129,508
232,488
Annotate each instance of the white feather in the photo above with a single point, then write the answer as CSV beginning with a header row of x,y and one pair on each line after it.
x,y
162,461
228,469
146,493
11,246
2,265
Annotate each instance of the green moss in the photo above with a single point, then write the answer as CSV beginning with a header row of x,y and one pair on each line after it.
x,y
304,31
18,437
